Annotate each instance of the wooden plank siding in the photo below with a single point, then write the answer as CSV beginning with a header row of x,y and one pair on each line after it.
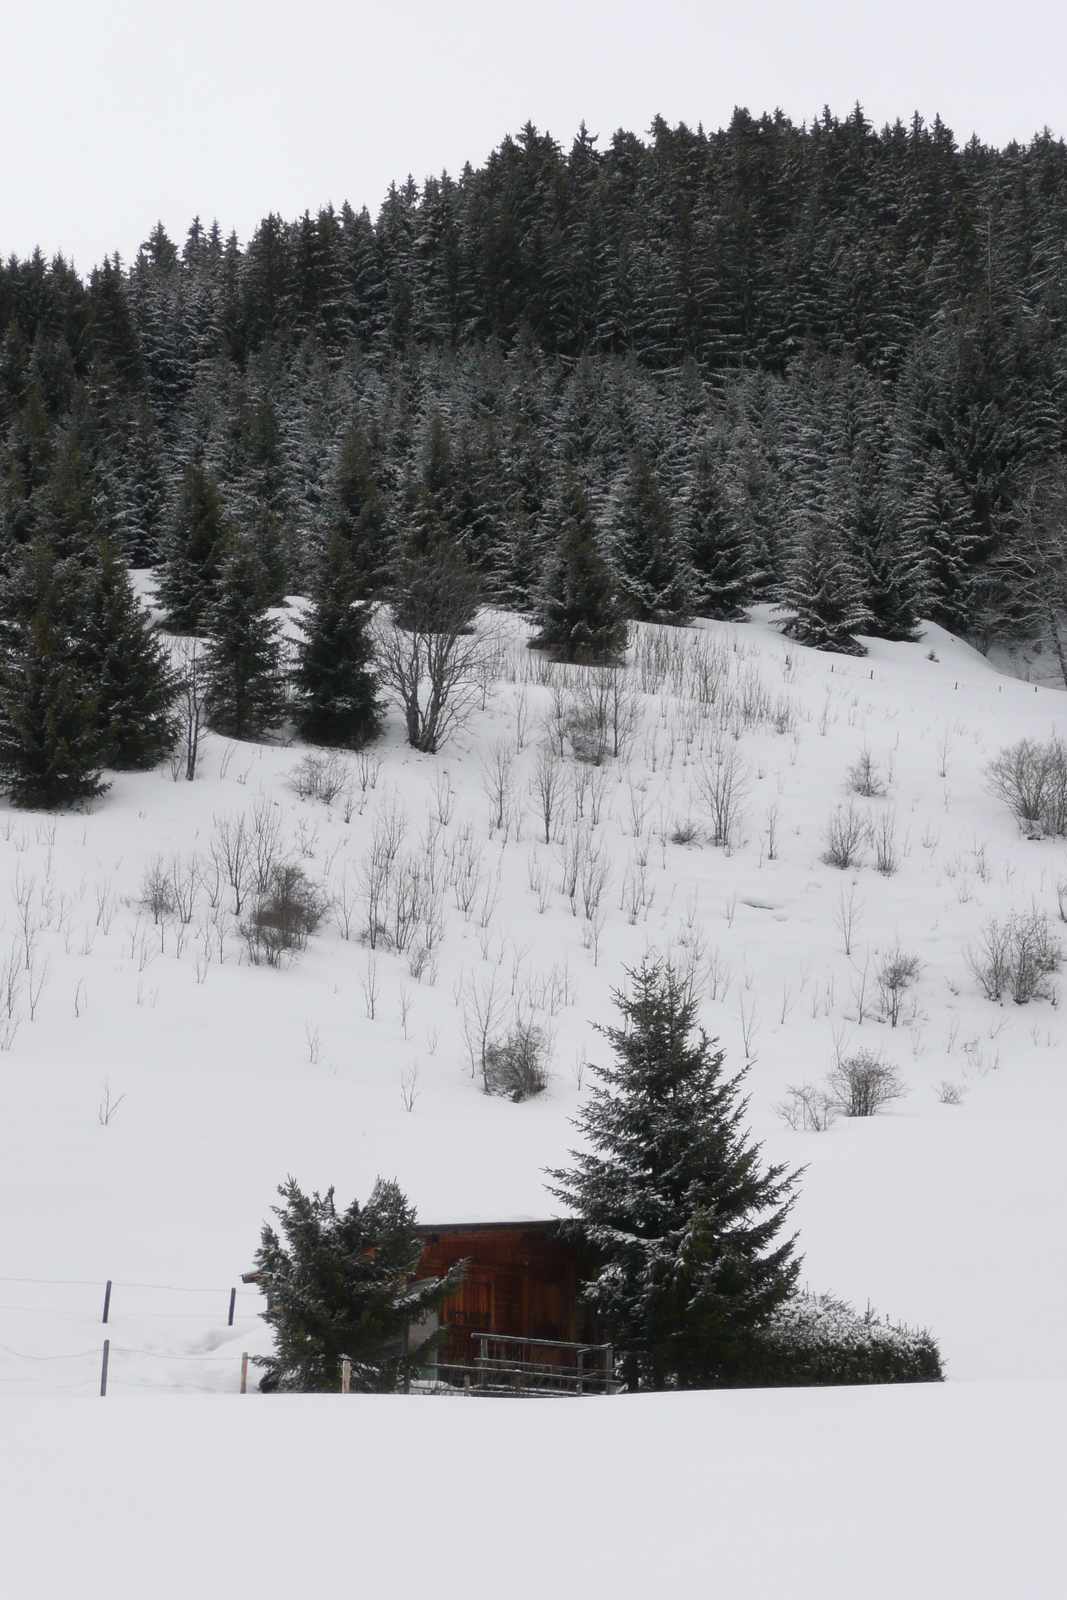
x,y
522,1280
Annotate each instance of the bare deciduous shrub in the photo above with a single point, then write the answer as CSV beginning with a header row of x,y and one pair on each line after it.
x,y
265,841
883,832
498,766
844,836
231,845
157,894
865,776
896,972
320,776
1017,957
589,721
546,786
950,1094
189,661
284,916
722,782
785,716
431,653
1031,779
808,1108
517,1064
863,1083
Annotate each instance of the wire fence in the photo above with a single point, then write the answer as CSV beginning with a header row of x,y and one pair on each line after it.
x,y
235,1313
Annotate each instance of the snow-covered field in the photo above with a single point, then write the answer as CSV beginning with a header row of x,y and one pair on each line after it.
x,y
232,1076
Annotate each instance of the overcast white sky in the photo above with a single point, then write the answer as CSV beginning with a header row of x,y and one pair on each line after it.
x,y
116,113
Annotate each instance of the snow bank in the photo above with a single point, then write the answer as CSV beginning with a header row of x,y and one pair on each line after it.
x,y
934,1492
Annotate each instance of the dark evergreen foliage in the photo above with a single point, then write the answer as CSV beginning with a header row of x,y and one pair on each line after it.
x,y
671,1199
835,318
580,614
340,1284
653,577
194,549
335,685
127,667
822,594
51,744
720,553
245,692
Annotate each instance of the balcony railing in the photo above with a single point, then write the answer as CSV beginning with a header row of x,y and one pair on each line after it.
x,y
506,1365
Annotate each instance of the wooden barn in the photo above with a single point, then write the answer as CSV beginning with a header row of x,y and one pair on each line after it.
x,y
516,1321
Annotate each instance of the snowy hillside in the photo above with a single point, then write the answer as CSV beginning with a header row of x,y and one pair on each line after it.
x,y
232,1075
156,1085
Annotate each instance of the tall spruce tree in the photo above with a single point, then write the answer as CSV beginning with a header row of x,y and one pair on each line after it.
x,y
720,552
938,519
358,512
822,594
51,744
245,695
194,547
653,574
343,1284
336,687
671,1199
580,612
127,666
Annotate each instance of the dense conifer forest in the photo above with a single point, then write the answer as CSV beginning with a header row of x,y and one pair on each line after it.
x,y
818,365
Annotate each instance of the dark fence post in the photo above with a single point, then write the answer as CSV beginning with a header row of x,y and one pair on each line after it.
x,y
233,1302
107,1299
103,1367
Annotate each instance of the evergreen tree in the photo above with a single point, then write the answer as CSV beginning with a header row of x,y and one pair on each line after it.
x,y
890,563
359,513
341,1284
194,547
265,537
51,749
671,1199
720,553
127,666
822,595
653,576
938,518
244,694
580,613
336,688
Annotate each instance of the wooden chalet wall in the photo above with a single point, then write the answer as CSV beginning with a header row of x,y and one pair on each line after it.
x,y
522,1281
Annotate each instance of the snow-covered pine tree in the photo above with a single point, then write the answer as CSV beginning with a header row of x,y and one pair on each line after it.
x,y
245,695
128,668
51,750
822,595
359,512
336,687
193,549
720,552
654,578
937,517
342,1284
671,1198
889,561
580,614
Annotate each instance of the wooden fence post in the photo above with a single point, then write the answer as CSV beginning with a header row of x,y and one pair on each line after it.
x,y
107,1299
103,1367
346,1374
233,1302
244,1371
